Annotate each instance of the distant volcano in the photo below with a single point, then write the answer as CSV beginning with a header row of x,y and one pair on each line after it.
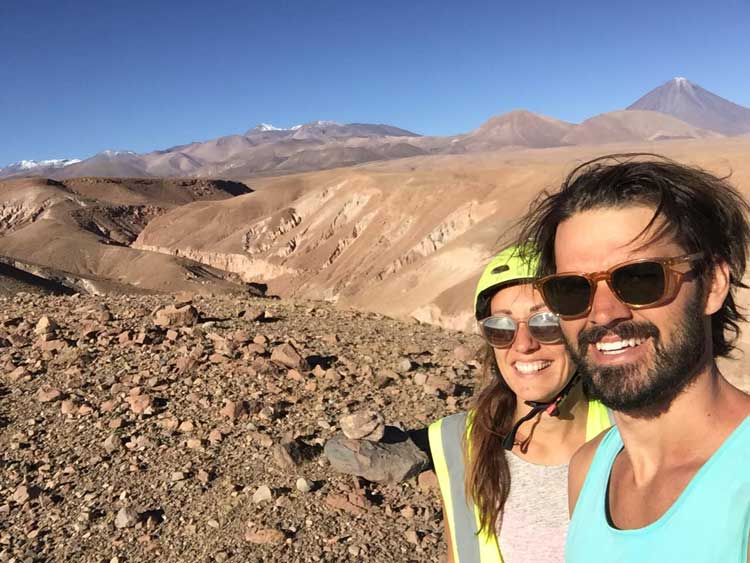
x,y
695,105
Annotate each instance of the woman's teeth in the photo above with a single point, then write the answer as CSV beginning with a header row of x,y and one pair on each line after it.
x,y
531,367
618,346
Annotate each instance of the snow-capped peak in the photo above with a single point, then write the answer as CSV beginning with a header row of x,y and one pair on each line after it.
x,y
110,152
51,163
323,123
681,80
267,127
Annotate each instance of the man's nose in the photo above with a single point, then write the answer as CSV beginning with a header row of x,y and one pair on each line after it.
x,y
606,308
525,341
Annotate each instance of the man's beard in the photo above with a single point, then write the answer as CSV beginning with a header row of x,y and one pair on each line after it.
x,y
635,388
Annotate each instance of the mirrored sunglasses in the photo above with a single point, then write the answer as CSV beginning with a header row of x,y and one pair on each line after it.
x,y
500,330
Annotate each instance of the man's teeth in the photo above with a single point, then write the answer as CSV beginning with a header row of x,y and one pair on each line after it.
x,y
619,346
531,367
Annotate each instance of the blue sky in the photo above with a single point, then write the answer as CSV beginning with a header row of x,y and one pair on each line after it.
x,y
78,77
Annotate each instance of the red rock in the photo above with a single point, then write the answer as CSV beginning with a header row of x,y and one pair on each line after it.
x,y
463,353
286,355
47,393
186,426
427,481
265,536
68,407
437,383
233,410
17,374
140,404
343,502
45,325
171,316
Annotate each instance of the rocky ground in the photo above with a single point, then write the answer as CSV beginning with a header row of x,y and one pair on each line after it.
x,y
149,429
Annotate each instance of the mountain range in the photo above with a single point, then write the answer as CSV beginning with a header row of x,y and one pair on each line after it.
x,y
678,109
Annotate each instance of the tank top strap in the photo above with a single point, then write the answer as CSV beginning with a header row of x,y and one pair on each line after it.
x,y
592,495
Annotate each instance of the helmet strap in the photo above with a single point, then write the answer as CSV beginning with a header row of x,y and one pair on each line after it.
x,y
552,408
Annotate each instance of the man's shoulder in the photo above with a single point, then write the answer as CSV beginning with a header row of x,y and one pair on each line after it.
x,y
579,467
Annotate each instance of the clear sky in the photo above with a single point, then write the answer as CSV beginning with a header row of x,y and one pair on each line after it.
x,y
81,76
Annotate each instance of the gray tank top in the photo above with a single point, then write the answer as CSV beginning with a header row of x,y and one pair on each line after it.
x,y
534,522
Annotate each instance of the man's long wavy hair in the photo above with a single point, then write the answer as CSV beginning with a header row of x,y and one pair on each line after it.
x,y
703,213
488,475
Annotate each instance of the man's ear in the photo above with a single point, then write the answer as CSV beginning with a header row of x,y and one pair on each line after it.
x,y
718,287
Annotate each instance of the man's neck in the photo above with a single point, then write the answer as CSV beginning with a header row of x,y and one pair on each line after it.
x,y
694,425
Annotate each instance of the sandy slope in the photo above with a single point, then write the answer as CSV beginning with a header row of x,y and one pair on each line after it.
x,y
80,230
406,237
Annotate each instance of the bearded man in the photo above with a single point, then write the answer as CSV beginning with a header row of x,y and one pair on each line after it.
x,y
641,257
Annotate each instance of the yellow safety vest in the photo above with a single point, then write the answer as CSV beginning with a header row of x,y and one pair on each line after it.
x,y
446,439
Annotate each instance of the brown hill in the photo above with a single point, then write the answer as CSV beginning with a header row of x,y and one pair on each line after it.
x,y
631,127
518,128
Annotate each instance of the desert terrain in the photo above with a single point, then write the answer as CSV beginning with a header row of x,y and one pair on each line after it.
x,y
183,332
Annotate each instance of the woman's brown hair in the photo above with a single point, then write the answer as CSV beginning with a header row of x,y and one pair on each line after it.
x,y
488,475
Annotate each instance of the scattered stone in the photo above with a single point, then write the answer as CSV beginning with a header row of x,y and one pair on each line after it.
x,y
303,485
215,436
463,353
126,517
252,314
186,426
352,503
69,407
233,409
17,374
172,316
437,383
45,325
112,443
47,393
194,443
391,462
265,536
140,404
363,425
427,481
411,536
286,455
262,494
404,365
23,494
286,355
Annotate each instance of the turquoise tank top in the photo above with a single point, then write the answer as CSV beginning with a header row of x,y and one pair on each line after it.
x,y
709,522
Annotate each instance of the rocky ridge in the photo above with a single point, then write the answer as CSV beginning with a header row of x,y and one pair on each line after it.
x,y
144,428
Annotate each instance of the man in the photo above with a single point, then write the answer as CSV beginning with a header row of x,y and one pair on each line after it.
x,y
641,258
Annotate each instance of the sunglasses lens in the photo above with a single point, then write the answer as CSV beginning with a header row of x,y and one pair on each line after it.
x,y
545,327
499,331
567,295
642,283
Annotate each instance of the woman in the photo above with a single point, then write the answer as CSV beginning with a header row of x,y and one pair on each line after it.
x,y
503,466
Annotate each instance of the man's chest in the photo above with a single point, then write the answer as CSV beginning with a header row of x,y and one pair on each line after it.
x,y
632,504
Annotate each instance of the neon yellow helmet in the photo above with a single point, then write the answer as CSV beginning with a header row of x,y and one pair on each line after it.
x,y
510,267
